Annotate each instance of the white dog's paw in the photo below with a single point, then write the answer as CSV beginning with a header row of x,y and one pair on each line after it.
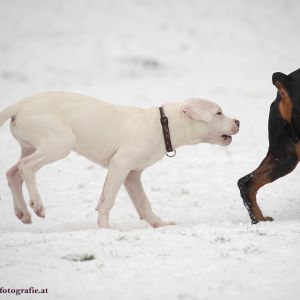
x,y
103,222
23,216
38,208
156,222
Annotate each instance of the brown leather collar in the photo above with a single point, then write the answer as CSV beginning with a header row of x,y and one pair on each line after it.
x,y
165,127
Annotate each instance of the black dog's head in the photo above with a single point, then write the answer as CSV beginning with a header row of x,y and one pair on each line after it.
x,y
288,87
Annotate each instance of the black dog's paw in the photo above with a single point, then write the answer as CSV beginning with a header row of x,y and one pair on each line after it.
x,y
268,219
263,219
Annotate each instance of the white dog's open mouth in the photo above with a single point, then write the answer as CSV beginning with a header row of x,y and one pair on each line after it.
x,y
226,138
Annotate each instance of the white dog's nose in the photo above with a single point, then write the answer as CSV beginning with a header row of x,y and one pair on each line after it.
x,y
237,122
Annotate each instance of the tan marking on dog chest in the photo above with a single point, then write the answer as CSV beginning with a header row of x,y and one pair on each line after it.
x,y
285,106
285,109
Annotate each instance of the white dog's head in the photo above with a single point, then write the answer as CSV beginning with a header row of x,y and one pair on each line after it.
x,y
219,128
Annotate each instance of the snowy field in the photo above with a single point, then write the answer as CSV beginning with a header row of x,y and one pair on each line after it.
x,y
145,53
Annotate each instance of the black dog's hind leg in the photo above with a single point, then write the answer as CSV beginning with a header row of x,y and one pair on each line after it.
x,y
270,169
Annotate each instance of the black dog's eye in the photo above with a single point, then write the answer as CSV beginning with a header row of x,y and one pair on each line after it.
x,y
219,113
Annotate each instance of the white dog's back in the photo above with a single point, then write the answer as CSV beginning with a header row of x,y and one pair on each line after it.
x,y
92,121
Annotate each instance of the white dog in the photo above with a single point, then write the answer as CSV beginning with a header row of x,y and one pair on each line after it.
x,y
126,140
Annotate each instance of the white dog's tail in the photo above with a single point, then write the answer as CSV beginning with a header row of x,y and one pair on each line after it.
x,y
8,113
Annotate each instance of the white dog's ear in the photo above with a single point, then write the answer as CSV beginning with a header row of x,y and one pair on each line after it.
x,y
199,109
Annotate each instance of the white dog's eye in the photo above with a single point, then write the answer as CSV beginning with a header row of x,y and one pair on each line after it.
x,y
219,113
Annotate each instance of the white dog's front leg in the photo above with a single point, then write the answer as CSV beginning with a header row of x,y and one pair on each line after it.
x,y
133,185
114,179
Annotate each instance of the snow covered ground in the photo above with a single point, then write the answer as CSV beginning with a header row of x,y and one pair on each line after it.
x,y
145,53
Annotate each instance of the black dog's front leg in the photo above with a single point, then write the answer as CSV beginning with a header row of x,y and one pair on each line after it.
x,y
271,168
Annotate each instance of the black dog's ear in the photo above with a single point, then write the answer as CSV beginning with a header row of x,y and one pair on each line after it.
x,y
282,78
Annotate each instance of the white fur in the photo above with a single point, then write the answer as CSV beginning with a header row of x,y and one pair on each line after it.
x,y
123,139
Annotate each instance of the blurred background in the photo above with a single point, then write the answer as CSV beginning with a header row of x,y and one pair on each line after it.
x,y
140,51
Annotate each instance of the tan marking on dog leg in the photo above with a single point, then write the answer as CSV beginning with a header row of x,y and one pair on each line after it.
x,y
260,178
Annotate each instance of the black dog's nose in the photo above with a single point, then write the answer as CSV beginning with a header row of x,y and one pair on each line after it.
x,y
237,122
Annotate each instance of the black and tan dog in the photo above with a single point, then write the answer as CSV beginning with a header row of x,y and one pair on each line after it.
x,y
284,143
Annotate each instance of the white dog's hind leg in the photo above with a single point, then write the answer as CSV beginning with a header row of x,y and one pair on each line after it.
x,y
54,144
28,167
114,180
140,201
15,182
